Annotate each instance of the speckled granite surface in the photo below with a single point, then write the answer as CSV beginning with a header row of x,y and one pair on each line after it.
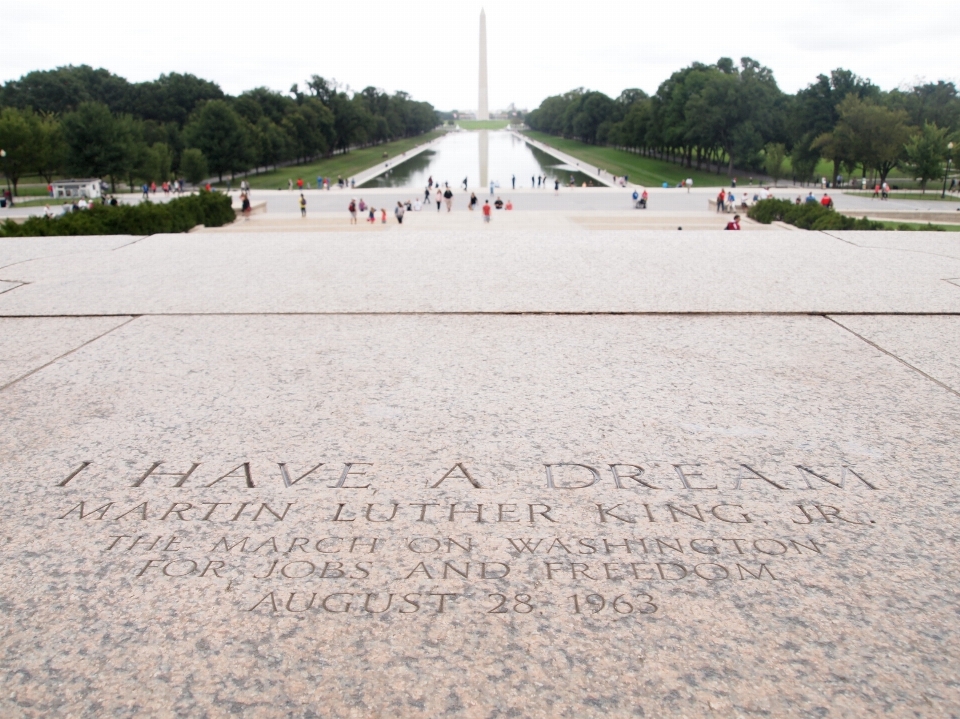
x,y
490,271
741,516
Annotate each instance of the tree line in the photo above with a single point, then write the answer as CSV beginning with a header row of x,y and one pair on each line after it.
x,y
93,123
725,115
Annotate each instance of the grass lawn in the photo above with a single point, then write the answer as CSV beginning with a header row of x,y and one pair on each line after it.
x,y
894,195
346,165
483,124
919,226
644,170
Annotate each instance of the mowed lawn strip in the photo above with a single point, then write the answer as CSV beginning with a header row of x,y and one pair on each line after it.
x,y
345,165
642,170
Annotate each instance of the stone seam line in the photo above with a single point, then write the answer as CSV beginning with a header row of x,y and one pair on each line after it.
x,y
891,354
67,353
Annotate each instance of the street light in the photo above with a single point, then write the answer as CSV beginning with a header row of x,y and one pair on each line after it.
x,y
949,152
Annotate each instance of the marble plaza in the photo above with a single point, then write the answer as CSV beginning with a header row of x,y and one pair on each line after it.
x,y
526,470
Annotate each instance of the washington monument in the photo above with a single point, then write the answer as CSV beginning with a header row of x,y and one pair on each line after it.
x,y
483,110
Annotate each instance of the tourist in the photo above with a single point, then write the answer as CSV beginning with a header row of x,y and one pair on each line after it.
x,y
876,191
532,183
426,195
47,212
439,198
145,190
340,181
399,212
486,210
363,205
473,201
491,188
643,199
498,204
353,211
372,216
885,191
735,224
827,201
731,202
733,183
409,205
430,181
721,200
508,206
153,188
464,184
513,181
416,205
383,215
556,186
811,200
303,205
448,197
289,183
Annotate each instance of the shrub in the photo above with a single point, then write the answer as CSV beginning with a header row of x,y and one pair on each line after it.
x,y
206,208
807,216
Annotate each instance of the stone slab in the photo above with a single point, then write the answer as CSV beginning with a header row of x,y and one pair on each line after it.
x,y
16,250
489,270
28,343
655,599
931,344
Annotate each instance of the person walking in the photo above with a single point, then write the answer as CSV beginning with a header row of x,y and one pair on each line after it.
x,y
353,212
426,195
289,183
721,200
486,211
473,201
439,198
303,205
533,183
399,212
513,181
448,197
464,184
383,215
245,208
556,186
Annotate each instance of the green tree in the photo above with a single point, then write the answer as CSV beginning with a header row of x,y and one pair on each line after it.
x,y
218,132
193,165
926,154
98,143
774,155
875,134
17,140
50,147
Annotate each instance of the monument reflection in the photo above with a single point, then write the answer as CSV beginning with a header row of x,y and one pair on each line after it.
x,y
481,157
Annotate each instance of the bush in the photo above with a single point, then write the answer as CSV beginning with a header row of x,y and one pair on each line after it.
x,y
808,216
207,208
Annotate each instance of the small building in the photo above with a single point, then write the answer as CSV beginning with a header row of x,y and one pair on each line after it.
x,y
89,188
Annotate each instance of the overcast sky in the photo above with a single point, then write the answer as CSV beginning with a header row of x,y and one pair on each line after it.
x,y
430,49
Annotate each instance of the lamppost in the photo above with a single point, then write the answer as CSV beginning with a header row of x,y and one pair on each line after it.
x,y
949,152
3,154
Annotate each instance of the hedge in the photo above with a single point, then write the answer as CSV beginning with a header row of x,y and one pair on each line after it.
x,y
808,216
212,209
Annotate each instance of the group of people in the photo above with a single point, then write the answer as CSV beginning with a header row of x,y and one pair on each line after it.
x,y
442,196
323,183
167,187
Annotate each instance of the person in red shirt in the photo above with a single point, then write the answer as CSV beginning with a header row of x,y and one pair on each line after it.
x,y
299,183
721,199
733,225
826,201
486,210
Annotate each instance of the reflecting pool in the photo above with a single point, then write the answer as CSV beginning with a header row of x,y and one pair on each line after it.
x,y
481,156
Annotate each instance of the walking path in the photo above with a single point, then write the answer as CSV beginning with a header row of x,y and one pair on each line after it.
x,y
600,175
